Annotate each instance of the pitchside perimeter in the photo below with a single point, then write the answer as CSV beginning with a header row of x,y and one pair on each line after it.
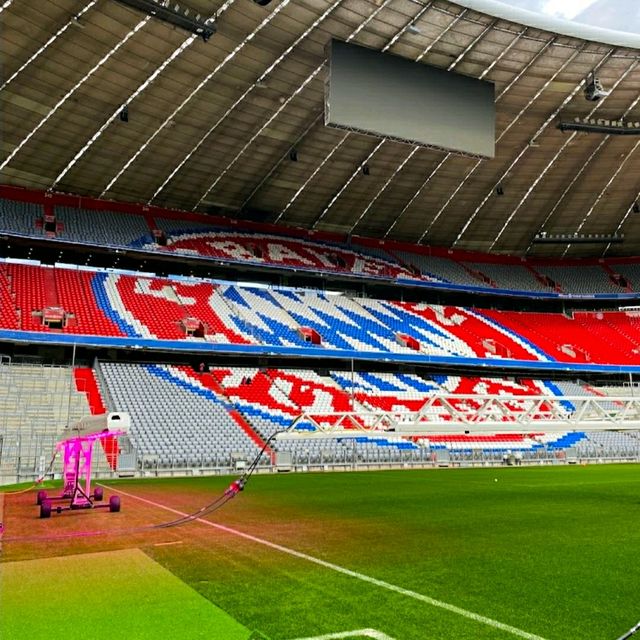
x,y
466,554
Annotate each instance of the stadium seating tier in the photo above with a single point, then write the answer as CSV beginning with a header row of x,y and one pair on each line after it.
x,y
193,235
111,304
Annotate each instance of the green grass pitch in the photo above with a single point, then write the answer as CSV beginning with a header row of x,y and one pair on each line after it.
x,y
543,552
106,595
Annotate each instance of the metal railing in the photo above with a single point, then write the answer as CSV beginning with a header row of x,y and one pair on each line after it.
x,y
19,464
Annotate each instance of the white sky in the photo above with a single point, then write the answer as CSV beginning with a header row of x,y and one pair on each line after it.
x,y
567,9
618,15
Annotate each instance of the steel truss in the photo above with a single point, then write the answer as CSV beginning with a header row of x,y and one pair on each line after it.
x,y
478,414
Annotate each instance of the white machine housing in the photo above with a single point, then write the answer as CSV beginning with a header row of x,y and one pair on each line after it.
x,y
103,423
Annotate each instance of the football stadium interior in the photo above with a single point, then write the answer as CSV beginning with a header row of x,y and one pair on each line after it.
x,y
319,319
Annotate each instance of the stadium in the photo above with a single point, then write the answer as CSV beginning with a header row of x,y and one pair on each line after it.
x,y
320,319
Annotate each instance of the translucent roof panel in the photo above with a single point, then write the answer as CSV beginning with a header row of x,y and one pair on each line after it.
x,y
598,20
619,15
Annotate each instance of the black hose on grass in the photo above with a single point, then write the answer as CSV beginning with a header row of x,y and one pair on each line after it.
x,y
230,492
631,632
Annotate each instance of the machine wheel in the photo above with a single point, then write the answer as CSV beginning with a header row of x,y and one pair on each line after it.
x,y
45,509
42,495
114,504
98,494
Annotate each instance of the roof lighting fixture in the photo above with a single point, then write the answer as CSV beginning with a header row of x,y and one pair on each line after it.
x,y
577,238
601,125
593,89
175,15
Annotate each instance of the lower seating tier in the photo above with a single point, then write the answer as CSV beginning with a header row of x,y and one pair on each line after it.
x,y
225,416
185,417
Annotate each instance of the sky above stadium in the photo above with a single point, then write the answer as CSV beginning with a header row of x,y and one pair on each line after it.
x,y
620,15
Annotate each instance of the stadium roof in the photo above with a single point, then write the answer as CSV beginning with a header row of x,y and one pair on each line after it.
x,y
211,124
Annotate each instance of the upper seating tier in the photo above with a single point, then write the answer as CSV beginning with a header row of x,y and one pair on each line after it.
x,y
105,303
127,225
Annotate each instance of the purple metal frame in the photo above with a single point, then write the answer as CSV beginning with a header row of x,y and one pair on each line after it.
x,y
77,462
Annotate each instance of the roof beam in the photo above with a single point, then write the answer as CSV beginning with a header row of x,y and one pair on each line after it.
x,y
513,122
539,131
416,195
359,167
309,78
73,21
73,89
351,178
600,195
169,119
413,151
149,80
537,134
631,208
261,78
584,165
477,165
383,188
284,157
315,172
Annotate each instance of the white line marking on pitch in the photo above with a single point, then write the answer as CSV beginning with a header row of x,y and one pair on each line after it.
x,y
368,633
476,617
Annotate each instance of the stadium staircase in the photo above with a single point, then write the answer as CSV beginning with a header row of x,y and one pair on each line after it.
x,y
86,382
